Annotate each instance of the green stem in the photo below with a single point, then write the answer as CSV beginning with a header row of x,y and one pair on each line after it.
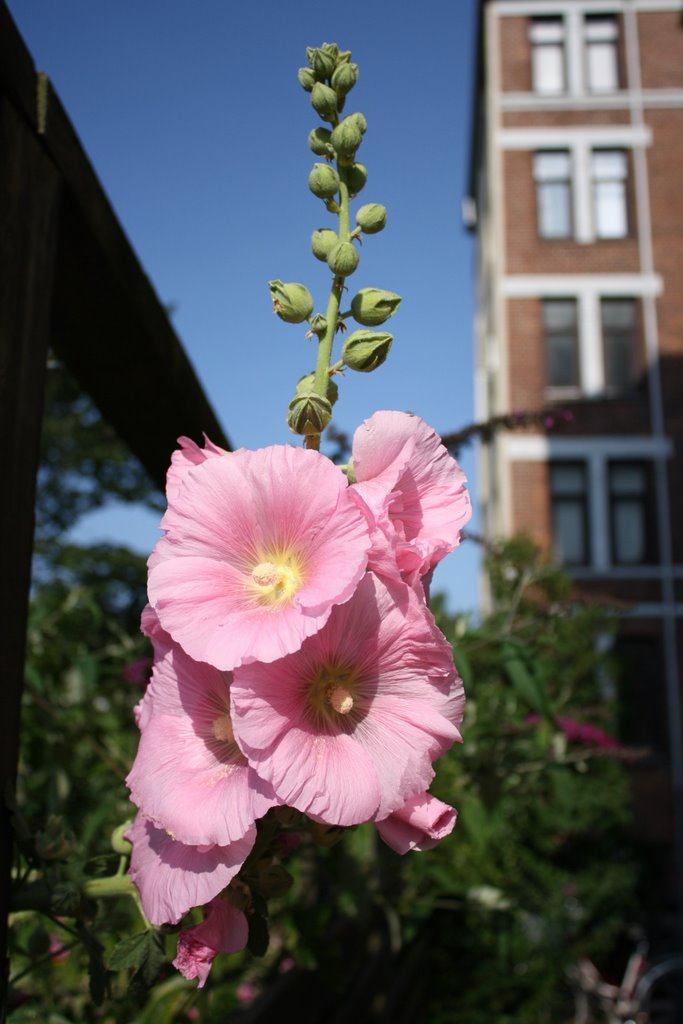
x,y
114,885
327,340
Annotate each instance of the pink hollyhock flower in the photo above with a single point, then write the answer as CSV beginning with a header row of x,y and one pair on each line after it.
x,y
581,732
172,878
189,454
223,930
189,776
420,824
259,547
346,729
413,491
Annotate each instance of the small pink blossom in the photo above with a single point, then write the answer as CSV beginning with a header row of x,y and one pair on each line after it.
x,y
223,930
420,824
189,776
172,878
259,547
582,732
138,671
246,992
347,728
413,492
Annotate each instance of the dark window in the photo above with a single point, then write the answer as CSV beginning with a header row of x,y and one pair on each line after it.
x,y
560,337
618,318
569,511
630,487
547,55
641,692
552,174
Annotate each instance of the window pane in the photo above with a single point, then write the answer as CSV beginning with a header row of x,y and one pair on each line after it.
x,y
608,164
627,478
547,68
567,478
610,209
619,342
601,60
629,532
569,519
547,55
601,53
554,219
552,165
560,342
628,487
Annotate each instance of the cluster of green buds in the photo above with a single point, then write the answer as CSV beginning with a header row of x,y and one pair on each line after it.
x,y
336,178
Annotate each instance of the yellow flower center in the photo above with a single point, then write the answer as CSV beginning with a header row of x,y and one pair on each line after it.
x,y
276,581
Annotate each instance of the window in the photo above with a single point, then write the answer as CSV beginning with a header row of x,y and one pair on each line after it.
x,y
618,318
560,339
600,38
608,175
552,173
547,55
628,513
569,512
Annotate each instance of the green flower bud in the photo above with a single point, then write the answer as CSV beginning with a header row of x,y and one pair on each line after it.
x,y
371,218
271,880
344,78
317,324
118,842
366,350
292,302
360,122
324,101
308,413
346,138
372,306
305,386
323,62
356,177
319,142
343,259
326,835
322,242
323,181
306,78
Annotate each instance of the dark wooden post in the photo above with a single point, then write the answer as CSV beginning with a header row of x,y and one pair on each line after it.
x,y
29,208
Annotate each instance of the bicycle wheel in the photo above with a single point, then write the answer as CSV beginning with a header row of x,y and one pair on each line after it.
x,y
660,992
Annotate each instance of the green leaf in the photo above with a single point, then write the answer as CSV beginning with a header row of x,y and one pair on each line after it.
x,y
130,952
527,687
259,938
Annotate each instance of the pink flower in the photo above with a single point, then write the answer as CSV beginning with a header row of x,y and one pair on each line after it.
x,y
259,547
189,776
172,878
189,454
420,824
581,732
346,729
223,930
413,490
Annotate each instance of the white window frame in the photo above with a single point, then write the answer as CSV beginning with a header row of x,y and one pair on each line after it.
x,y
601,37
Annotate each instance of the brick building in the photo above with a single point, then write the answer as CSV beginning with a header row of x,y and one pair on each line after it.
x,y
576,199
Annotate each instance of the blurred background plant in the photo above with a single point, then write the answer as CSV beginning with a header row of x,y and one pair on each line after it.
x,y
540,869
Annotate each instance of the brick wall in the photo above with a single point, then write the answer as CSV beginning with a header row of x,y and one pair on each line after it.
x,y
530,506
660,35
515,54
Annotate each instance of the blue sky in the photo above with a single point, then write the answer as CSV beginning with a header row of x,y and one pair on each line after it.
x,y
193,118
